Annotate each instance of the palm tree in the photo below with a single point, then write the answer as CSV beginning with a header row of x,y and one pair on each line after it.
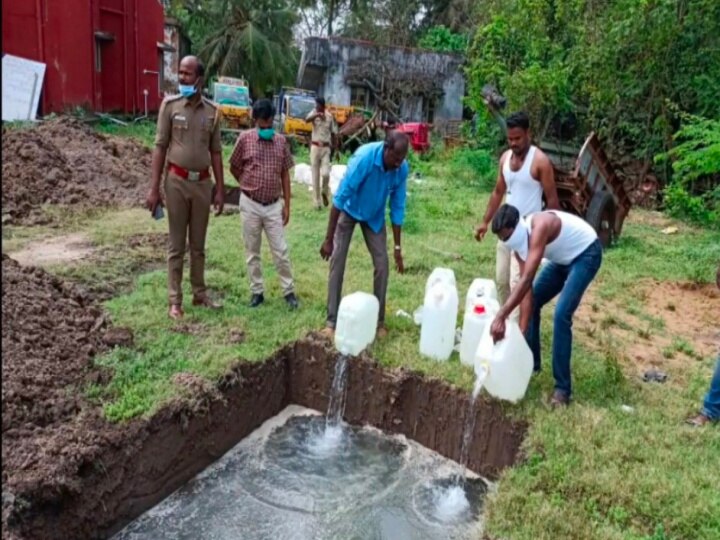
x,y
254,39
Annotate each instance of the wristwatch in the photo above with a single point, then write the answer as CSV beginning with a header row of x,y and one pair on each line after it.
x,y
397,248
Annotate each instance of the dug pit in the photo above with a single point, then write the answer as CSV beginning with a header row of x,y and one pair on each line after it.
x,y
134,466
70,473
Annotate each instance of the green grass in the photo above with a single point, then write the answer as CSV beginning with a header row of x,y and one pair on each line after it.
x,y
592,471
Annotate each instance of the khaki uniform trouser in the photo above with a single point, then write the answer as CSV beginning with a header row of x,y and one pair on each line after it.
x,y
320,164
188,207
507,275
377,246
257,218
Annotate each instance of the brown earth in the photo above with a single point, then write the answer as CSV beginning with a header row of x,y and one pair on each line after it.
x,y
66,162
89,478
117,266
678,323
55,250
50,332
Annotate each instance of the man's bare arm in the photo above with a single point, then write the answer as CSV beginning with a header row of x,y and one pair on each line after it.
x,y
538,241
526,303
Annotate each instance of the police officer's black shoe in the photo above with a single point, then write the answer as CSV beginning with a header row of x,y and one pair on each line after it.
x,y
256,300
292,301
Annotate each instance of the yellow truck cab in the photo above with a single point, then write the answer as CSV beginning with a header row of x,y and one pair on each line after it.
x,y
233,97
293,105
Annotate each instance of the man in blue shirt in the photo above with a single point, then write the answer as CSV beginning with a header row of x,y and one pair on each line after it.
x,y
376,173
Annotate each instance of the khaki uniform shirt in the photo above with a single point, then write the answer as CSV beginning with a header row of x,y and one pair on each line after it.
x,y
323,128
189,132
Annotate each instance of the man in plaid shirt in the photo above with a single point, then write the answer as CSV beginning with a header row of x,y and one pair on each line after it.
x,y
261,163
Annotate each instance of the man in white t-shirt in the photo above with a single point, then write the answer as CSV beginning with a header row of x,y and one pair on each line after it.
x,y
574,256
525,174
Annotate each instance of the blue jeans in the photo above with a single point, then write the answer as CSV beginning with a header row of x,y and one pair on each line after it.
x,y
570,281
711,405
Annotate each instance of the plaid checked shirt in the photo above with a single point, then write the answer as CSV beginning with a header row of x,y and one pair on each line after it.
x,y
258,165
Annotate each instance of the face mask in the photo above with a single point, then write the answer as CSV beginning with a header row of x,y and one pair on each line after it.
x,y
519,240
266,133
187,90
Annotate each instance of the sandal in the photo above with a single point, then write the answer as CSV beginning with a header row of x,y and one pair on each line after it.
x,y
559,400
206,302
328,332
175,312
698,421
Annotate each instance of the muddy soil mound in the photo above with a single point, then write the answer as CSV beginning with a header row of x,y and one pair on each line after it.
x,y
50,332
66,162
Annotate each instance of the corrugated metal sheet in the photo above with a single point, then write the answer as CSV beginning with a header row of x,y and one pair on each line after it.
x,y
100,54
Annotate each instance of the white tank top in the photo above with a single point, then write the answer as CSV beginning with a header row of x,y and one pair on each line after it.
x,y
575,236
523,191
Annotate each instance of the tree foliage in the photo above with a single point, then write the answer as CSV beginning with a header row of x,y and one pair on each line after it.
x,y
615,63
244,38
440,38
624,68
694,191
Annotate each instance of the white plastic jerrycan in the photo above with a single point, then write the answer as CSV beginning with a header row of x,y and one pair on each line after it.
x,y
480,289
506,365
356,323
437,333
480,315
444,275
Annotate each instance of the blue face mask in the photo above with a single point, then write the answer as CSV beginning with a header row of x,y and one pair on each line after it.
x,y
187,90
266,133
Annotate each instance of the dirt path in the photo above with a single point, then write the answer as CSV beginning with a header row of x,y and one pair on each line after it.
x,y
57,250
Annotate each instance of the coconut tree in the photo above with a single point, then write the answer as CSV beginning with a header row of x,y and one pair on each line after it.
x,y
253,39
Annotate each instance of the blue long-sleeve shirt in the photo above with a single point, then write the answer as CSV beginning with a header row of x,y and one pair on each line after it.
x,y
364,191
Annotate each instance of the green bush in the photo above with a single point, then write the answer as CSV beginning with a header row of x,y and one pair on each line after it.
x,y
442,39
473,166
693,193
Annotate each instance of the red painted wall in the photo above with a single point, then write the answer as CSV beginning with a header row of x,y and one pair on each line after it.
x,y
62,34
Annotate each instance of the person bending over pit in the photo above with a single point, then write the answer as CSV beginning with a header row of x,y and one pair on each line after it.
x,y
377,173
575,254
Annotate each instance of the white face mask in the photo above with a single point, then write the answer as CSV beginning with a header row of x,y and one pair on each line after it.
x,y
519,240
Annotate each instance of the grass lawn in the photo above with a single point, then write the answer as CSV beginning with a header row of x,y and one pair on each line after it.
x,y
595,470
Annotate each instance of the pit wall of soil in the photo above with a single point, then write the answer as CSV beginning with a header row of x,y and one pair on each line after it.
x,y
160,454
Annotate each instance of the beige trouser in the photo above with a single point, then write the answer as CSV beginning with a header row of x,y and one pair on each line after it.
x,y
507,275
257,218
320,164
188,208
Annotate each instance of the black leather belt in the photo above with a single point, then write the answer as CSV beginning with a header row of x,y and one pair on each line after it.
x,y
262,203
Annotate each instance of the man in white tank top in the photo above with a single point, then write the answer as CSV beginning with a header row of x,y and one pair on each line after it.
x,y
524,174
574,253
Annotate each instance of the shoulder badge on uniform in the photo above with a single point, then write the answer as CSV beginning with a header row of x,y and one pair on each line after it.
x,y
210,102
174,97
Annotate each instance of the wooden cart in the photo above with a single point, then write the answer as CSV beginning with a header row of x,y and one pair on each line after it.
x,y
589,187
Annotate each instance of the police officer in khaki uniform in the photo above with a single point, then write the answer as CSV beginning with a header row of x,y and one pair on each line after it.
x,y
187,145
323,137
